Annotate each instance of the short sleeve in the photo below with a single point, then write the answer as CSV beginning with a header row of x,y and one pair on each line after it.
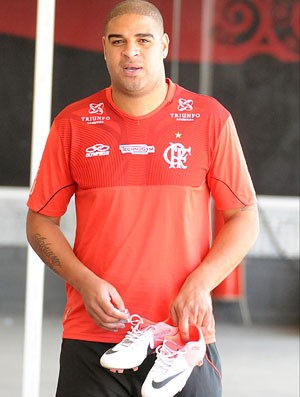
x,y
53,186
228,177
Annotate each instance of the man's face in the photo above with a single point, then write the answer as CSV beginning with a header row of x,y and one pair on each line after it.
x,y
134,47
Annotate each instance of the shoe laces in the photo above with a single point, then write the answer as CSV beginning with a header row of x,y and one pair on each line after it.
x,y
135,334
166,356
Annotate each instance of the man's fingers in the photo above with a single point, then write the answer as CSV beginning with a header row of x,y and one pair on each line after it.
x,y
174,317
110,323
205,320
116,300
184,328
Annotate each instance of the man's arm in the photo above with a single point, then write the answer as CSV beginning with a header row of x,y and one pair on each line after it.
x,y
233,241
101,299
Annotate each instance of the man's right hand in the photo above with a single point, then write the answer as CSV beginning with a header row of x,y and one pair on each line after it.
x,y
101,299
103,303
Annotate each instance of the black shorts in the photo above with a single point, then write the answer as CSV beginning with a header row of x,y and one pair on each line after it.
x,y
82,376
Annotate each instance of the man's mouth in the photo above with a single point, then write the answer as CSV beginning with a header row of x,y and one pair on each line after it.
x,y
132,70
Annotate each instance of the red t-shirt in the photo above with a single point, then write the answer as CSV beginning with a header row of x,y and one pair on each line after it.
x,y
142,190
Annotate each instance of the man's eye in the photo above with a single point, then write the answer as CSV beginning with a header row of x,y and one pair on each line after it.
x,y
117,42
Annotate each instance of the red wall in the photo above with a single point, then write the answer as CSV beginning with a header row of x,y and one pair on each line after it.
x,y
241,29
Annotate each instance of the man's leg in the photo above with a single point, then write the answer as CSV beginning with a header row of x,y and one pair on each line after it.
x,y
81,374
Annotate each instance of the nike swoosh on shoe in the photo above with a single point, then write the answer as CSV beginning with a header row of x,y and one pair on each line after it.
x,y
159,385
111,351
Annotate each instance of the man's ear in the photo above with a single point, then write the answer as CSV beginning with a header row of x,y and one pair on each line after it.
x,y
165,42
103,45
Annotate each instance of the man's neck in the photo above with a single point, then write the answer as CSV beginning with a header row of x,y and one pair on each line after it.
x,y
139,105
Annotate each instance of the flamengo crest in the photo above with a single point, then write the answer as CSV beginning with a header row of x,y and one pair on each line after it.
x,y
176,155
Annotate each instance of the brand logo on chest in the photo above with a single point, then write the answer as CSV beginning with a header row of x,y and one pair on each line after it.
x,y
96,114
185,112
137,149
97,150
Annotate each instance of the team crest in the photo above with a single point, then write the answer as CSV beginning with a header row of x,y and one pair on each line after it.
x,y
176,155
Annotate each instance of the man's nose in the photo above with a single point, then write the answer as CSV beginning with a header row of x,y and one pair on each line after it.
x,y
131,50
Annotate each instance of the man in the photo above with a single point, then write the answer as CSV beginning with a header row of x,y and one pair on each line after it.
x,y
142,158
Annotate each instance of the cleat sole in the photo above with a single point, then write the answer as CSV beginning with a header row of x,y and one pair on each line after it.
x,y
116,370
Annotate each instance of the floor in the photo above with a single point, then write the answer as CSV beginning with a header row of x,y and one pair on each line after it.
x,y
258,361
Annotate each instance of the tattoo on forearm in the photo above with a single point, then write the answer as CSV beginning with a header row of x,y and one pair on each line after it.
x,y
45,252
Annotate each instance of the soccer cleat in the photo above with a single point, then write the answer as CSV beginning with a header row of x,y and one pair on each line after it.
x,y
174,364
144,337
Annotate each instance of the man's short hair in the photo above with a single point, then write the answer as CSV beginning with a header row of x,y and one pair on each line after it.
x,y
139,7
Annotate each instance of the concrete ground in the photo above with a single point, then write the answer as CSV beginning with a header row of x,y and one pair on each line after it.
x,y
258,361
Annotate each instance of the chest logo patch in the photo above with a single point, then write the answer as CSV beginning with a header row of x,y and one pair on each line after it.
x,y
176,155
97,150
137,149
185,111
185,104
96,108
